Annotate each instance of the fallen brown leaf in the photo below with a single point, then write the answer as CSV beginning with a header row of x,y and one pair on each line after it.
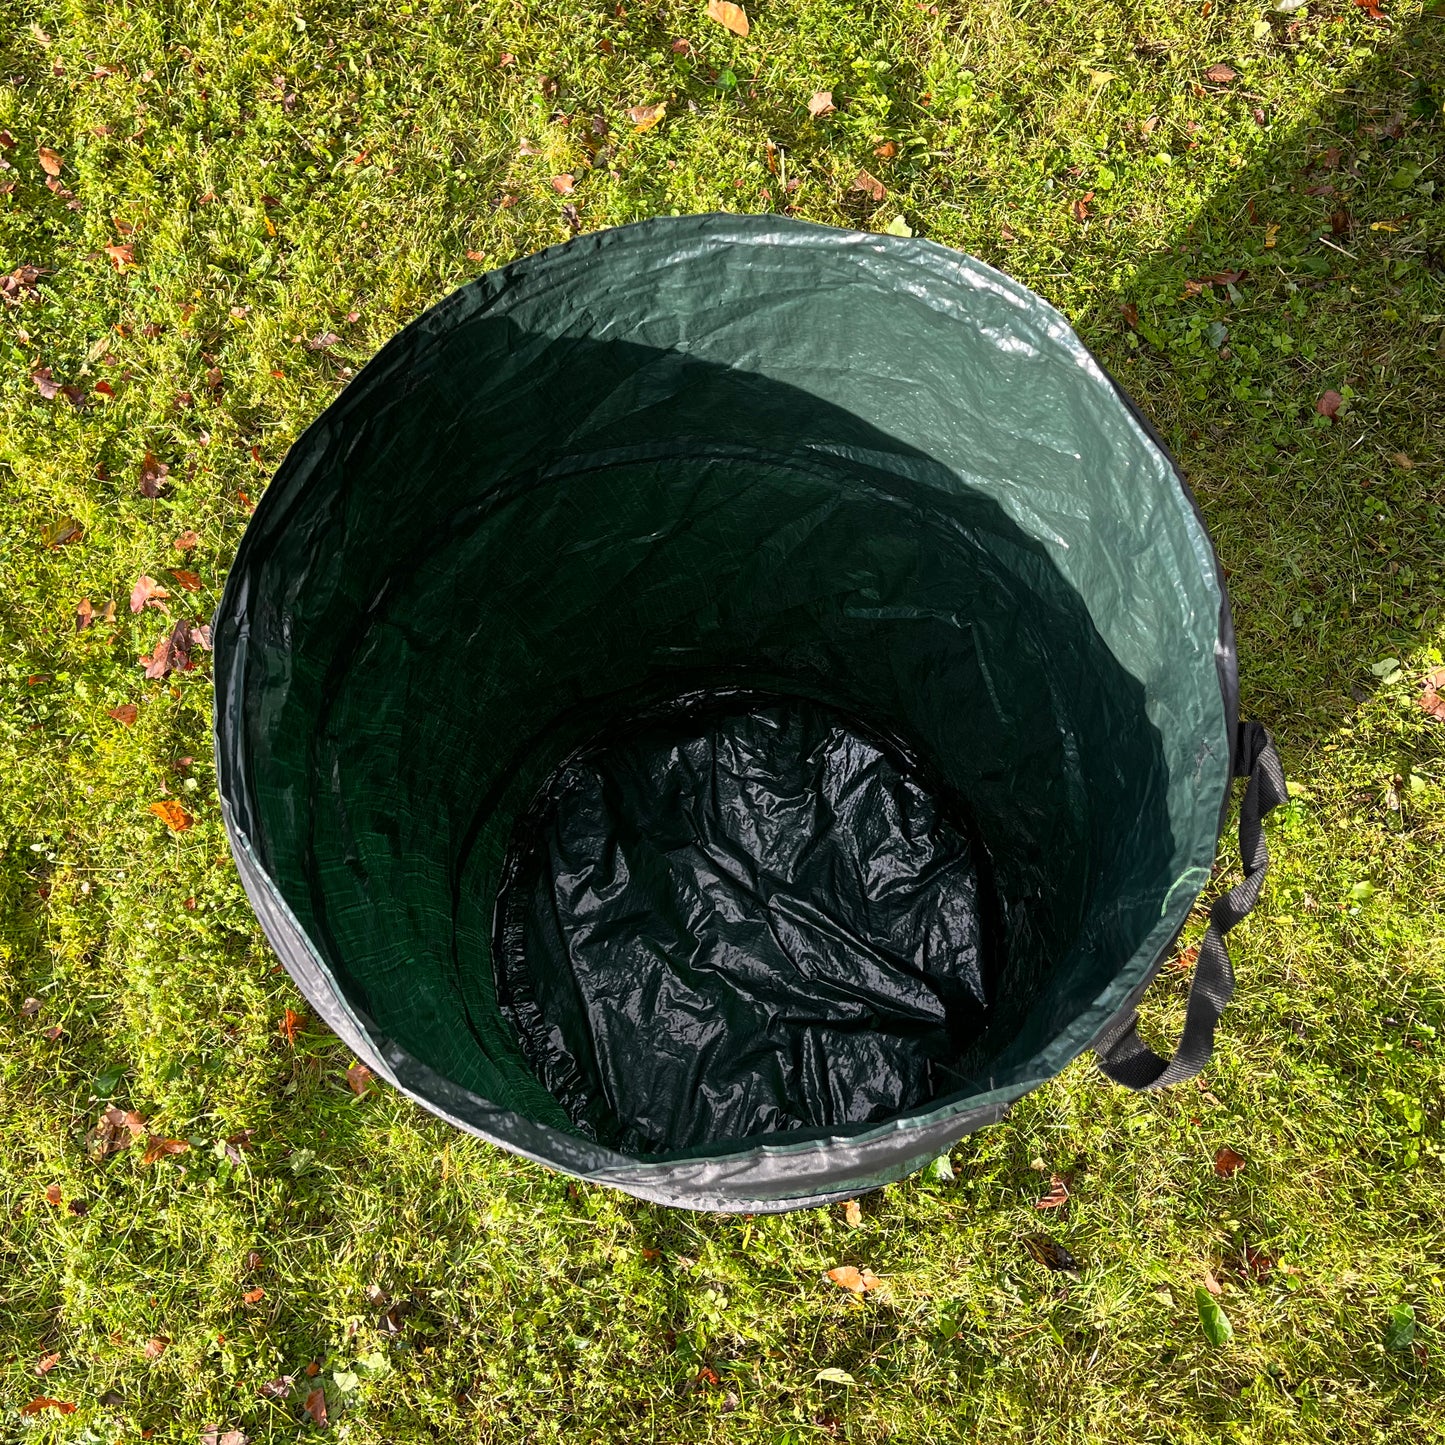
x,y
84,614
152,476
125,714
214,1435
158,1148
821,104
729,16
1058,1195
54,1195
62,532
564,184
155,1347
1329,404
46,1364
313,1368
277,1389
871,186
644,117
105,390
172,652
254,1296
1257,1262
1130,312
147,592
30,1008
1227,1162
121,256
358,1076
316,1406
291,1022
186,541
1080,207
853,1214
190,581
850,1277
51,162
1432,699
1052,1255
45,1402
1221,74
235,1143
886,150
117,1129
172,815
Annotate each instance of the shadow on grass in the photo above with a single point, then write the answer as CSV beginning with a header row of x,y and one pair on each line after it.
x,y
1330,530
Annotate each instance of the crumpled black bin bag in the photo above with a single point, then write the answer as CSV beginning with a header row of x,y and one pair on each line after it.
x,y
724,706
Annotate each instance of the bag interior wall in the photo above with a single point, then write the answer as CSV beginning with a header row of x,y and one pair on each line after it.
x,y
435,659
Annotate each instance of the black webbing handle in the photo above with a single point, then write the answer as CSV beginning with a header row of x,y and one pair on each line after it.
x,y
1122,1054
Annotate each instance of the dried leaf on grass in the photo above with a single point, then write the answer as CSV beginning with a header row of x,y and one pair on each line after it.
x,y
126,713
147,592
316,1406
116,1129
729,16
821,104
46,1402
870,185
1052,1255
850,1277
644,117
852,1214
358,1076
153,475
1432,694
291,1023
158,1148
172,652
172,815
155,1347
1227,1162
46,1364
1058,1195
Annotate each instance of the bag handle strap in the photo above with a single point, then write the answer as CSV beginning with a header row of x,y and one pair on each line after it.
x,y
1122,1054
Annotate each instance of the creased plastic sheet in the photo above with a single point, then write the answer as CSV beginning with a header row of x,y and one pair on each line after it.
x,y
741,917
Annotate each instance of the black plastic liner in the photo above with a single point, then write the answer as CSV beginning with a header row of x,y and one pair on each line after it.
x,y
742,915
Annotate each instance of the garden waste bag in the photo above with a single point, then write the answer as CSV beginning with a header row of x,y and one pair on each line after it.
x,y
724,706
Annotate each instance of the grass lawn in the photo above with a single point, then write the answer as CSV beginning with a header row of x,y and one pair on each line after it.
x,y
250,199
